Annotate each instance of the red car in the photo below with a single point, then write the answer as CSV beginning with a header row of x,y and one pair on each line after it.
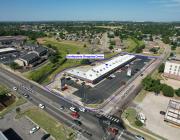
x,y
75,114
113,130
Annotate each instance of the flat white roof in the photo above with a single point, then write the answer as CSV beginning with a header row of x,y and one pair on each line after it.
x,y
173,112
101,69
7,49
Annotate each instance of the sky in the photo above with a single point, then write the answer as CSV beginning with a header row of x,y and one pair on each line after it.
x,y
90,10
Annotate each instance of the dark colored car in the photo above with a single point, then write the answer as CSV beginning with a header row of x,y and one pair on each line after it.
x,y
45,136
62,107
78,122
162,112
26,95
68,78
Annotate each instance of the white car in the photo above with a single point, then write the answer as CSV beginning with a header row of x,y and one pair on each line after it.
x,y
34,129
73,109
139,137
41,106
82,109
15,88
112,75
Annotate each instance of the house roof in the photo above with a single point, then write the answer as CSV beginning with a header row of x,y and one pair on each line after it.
x,y
97,71
40,49
7,50
7,38
30,56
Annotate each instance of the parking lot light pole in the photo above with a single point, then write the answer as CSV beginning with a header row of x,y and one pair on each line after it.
x,y
84,95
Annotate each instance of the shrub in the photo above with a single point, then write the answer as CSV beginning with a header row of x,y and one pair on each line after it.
x,y
138,123
161,68
85,62
178,92
167,90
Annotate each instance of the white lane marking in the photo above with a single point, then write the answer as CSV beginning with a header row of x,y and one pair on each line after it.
x,y
121,134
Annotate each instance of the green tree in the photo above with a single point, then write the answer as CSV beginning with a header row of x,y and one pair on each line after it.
x,y
161,68
167,90
111,47
18,110
54,58
85,62
85,46
14,65
177,92
138,123
173,47
154,50
150,84
171,54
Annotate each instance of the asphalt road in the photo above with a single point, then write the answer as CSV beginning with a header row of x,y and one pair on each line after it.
x,y
52,102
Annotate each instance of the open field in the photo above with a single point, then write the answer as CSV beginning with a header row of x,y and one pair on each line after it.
x,y
131,44
53,127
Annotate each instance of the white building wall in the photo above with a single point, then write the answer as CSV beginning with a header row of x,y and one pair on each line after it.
x,y
172,70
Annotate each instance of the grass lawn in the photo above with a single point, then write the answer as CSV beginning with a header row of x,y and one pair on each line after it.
x,y
131,44
178,50
156,75
141,95
109,55
19,101
130,114
48,123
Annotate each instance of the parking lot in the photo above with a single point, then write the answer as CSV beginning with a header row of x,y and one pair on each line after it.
x,y
20,126
107,87
10,57
151,107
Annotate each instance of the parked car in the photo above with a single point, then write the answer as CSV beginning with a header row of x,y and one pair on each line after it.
x,y
73,109
15,88
75,115
34,129
82,109
112,75
26,95
138,137
45,136
77,122
41,106
62,108
68,78
162,112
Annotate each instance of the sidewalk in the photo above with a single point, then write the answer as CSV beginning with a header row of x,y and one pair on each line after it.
x,y
139,130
